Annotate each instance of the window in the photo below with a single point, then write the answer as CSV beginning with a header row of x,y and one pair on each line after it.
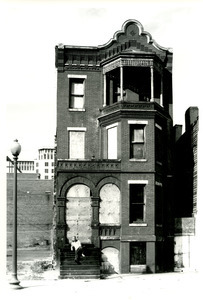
x,y
76,142
138,253
159,203
137,141
46,177
76,93
112,141
46,164
159,143
46,171
137,202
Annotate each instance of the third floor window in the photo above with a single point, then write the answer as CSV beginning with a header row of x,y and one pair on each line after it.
x,y
76,93
137,141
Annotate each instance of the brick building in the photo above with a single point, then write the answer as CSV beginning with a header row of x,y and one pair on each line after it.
x,y
114,152
185,186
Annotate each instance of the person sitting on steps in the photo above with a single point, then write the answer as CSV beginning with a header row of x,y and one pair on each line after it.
x,y
76,245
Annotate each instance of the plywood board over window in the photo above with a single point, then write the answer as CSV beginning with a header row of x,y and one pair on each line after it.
x,y
110,204
76,142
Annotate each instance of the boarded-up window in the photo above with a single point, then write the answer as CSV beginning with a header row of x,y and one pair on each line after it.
x,y
79,213
76,144
109,212
112,143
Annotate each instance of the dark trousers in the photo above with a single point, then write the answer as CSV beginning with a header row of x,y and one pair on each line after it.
x,y
78,254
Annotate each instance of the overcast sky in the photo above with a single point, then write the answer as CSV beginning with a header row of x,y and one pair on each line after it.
x,y
31,29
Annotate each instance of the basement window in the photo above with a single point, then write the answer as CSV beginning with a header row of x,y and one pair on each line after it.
x,y
137,253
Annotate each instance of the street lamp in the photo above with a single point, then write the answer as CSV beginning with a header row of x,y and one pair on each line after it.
x,y
15,150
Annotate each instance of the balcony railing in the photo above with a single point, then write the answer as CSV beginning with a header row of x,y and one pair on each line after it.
x,y
89,165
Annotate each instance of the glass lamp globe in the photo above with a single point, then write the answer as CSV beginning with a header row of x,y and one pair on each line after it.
x,y
15,148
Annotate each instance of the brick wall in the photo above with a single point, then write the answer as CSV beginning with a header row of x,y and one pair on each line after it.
x,y
87,118
35,210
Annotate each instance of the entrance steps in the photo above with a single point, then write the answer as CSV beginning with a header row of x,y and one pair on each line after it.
x,y
89,267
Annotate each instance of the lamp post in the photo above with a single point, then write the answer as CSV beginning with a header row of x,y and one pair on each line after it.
x,y
15,150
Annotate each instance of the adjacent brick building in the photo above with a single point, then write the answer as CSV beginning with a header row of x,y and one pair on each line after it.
x,y
114,150
185,186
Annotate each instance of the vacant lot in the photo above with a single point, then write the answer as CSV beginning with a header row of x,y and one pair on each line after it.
x,y
32,263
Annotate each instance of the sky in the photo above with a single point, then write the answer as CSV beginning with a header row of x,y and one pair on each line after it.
x,y
30,30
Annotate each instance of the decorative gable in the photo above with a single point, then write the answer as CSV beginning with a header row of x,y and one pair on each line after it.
x,y
131,39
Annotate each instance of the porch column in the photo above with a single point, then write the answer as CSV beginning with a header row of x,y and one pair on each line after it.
x,y
152,83
95,220
161,92
104,76
151,263
61,222
121,82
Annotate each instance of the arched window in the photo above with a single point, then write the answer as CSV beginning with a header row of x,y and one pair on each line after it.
x,y
109,212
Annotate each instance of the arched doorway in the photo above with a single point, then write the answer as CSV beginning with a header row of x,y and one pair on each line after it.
x,y
79,213
110,260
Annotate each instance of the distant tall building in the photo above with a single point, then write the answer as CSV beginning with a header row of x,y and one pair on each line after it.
x,y
23,166
44,165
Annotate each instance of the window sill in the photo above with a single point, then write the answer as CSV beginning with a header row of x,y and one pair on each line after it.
x,y
138,225
138,160
76,109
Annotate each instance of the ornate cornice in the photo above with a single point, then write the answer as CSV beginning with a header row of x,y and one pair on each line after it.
x,y
82,67
135,29
131,39
88,166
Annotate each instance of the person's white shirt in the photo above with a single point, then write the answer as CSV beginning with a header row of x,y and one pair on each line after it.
x,y
76,245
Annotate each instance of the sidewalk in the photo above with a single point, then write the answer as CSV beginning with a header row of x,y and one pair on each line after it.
x,y
127,287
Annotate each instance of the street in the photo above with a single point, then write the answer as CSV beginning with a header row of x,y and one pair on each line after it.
x,y
156,286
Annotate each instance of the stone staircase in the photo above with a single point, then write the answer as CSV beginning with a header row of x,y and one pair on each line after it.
x,y
89,267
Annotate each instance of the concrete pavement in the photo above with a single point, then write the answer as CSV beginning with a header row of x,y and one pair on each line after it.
x,y
155,286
